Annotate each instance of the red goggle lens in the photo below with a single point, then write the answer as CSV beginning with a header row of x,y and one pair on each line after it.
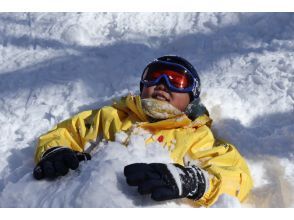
x,y
179,80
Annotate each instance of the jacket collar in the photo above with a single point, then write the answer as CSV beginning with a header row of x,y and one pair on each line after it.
x,y
131,104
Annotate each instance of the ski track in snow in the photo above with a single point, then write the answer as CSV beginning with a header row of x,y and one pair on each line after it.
x,y
53,65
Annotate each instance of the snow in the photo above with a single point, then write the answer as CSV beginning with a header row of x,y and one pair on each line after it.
x,y
53,65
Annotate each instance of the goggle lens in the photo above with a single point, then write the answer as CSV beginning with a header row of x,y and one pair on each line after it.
x,y
179,80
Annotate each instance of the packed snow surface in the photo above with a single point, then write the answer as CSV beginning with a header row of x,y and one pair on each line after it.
x,y
54,65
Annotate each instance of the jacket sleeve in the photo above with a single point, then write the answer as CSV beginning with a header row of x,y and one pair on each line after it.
x,y
77,131
227,172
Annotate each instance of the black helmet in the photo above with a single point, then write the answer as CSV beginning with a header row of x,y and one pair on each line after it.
x,y
183,62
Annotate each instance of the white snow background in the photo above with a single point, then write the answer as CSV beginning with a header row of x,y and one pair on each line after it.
x,y
54,65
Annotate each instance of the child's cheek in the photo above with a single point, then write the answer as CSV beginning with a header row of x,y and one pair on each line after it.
x,y
147,92
180,100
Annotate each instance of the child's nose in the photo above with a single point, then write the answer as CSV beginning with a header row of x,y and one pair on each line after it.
x,y
162,86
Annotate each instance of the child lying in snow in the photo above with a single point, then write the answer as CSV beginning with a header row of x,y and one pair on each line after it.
x,y
169,108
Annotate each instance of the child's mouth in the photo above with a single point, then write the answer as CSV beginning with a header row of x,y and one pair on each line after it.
x,y
160,97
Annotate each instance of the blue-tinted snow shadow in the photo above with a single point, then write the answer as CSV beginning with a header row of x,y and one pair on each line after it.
x,y
19,163
267,135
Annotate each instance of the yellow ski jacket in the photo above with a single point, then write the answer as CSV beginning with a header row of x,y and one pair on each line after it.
x,y
185,138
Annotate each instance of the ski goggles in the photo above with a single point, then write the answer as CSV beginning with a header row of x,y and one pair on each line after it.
x,y
177,77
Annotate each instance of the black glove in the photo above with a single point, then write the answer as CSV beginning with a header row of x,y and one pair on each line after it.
x,y
57,161
166,181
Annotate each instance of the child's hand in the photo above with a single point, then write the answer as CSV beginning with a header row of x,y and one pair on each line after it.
x,y
57,161
166,181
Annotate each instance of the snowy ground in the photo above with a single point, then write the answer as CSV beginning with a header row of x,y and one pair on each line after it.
x,y
55,65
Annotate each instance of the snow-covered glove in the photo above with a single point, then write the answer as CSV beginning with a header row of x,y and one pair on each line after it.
x,y
166,181
56,162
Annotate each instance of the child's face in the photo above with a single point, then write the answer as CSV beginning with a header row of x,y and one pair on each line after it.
x,y
161,92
